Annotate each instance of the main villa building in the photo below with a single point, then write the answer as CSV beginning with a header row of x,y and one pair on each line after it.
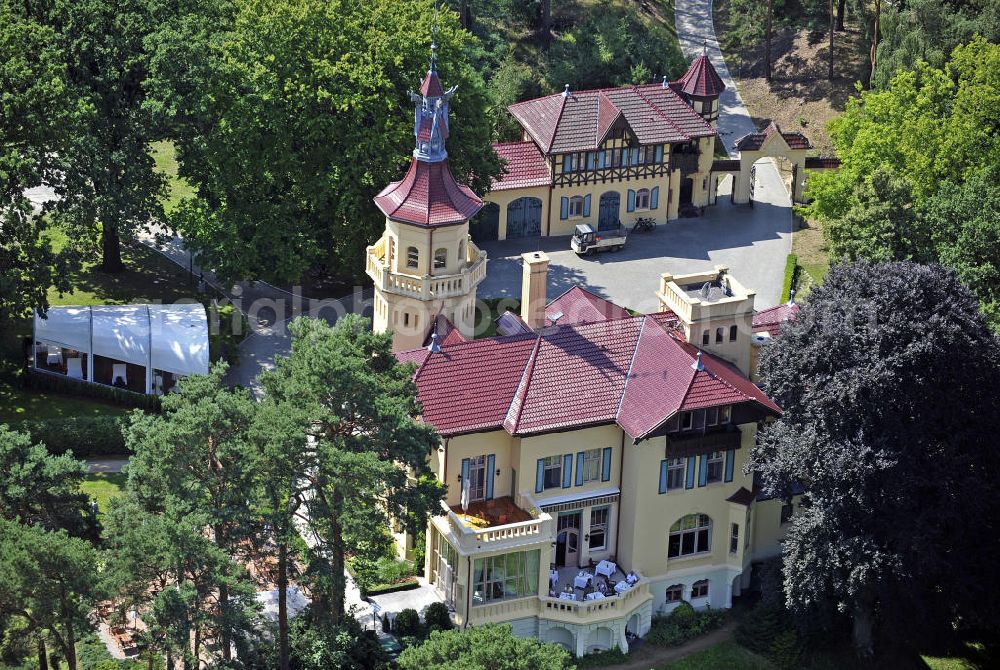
x,y
593,457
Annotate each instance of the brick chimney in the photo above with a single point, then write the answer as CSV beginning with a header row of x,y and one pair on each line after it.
x,y
534,278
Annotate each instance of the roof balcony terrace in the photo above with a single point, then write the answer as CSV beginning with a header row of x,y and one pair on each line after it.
x,y
495,525
426,287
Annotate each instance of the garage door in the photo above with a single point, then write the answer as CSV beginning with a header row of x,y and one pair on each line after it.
x,y
524,218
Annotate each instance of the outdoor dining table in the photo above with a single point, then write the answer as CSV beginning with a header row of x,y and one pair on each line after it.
x,y
606,568
567,596
596,595
622,587
582,580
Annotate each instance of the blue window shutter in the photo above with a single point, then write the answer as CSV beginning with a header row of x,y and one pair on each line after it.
x,y
586,205
654,197
564,208
635,156
579,468
567,471
491,466
730,463
703,470
606,465
659,153
540,476
689,484
591,160
630,205
663,476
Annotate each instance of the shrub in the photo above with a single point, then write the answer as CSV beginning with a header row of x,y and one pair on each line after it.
x,y
386,624
437,617
408,624
83,435
41,381
683,615
770,630
599,659
791,277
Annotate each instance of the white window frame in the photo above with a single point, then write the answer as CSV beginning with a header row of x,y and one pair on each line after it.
x,y
703,530
677,589
552,464
716,461
642,199
676,468
734,538
700,585
599,527
592,465
576,207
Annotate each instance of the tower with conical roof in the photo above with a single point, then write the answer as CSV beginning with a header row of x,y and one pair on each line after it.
x,y
425,263
702,86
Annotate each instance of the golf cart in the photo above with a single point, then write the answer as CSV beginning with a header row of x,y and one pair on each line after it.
x,y
585,241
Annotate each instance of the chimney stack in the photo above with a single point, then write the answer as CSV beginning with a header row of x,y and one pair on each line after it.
x,y
534,279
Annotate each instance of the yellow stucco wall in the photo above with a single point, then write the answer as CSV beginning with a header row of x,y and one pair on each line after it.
x,y
645,528
504,198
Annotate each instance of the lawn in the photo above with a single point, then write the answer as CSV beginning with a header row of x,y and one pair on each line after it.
x,y
809,247
103,486
728,655
18,405
178,188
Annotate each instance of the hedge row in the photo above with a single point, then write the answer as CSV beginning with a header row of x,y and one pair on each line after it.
x,y
791,277
40,381
85,436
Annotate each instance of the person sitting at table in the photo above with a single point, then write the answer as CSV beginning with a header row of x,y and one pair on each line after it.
x,y
568,589
552,592
119,383
631,577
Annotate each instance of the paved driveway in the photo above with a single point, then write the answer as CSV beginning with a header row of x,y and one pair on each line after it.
x,y
753,242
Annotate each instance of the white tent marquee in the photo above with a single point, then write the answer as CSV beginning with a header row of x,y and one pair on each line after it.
x,y
162,338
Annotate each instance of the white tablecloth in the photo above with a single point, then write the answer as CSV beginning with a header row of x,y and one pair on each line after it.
x,y
567,596
622,587
606,568
582,580
596,595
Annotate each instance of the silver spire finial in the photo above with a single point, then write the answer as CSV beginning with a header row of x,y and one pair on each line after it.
x,y
566,91
698,366
665,84
704,47
434,347
791,297
434,31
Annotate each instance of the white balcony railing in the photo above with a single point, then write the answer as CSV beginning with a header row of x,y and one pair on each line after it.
x,y
470,540
426,287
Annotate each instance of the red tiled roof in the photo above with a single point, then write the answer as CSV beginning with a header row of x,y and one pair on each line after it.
x,y
578,305
431,86
428,196
446,331
629,370
417,356
701,80
525,166
656,114
770,320
754,141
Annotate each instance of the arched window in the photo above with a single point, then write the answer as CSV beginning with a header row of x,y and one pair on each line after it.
x,y
576,205
691,535
412,257
440,258
706,337
675,593
461,251
699,589
642,198
719,335
392,250
733,330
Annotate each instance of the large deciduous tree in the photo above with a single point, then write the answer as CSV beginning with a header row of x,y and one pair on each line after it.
x,y
298,116
887,382
488,647
39,488
367,458
107,179
36,114
48,579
